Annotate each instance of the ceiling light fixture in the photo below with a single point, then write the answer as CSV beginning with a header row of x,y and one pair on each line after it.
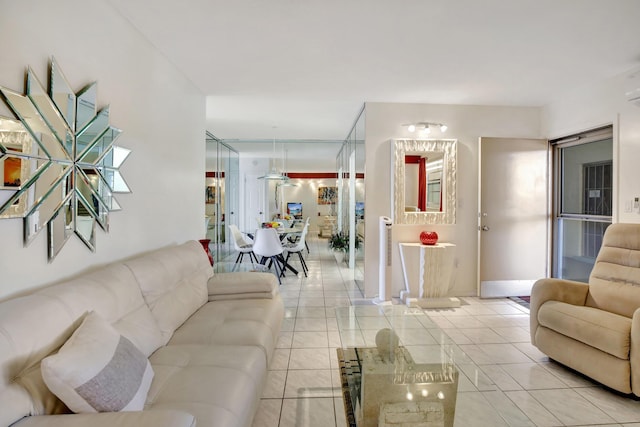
x,y
286,182
274,174
425,127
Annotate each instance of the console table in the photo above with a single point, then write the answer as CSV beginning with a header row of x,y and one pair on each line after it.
x,y
428,273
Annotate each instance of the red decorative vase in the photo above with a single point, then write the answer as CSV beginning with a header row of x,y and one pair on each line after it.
x,y
205,246
429,237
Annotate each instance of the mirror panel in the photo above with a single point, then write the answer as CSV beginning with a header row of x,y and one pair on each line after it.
x,y
33,122
49,112
98,186
103,147
62,95
443,160
85,223
48,199
92,133
60,227
93,204
86,106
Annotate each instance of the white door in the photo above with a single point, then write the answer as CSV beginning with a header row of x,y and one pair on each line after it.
x,y
513,219
254,191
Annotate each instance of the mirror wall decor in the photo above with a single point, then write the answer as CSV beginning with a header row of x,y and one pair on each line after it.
x,y
58,161
438,203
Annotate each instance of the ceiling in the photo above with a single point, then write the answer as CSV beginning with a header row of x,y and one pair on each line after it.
x,y
307,66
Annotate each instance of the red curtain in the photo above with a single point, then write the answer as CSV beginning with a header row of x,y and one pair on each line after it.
x,y
422,185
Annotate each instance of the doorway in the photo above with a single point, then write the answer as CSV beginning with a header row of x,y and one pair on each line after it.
x,y
513,218
583,194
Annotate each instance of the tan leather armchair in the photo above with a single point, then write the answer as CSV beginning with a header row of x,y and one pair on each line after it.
x,y
594,327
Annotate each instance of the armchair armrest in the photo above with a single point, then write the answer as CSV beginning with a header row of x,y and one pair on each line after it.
x,y
634,355
551,289
148,418
242,285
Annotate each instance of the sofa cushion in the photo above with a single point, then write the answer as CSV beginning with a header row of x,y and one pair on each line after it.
x,y
605,331
235,322
98,370
219,385
173,282
242,285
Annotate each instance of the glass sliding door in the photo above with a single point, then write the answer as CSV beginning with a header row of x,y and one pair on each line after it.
x,y
584,201
221,195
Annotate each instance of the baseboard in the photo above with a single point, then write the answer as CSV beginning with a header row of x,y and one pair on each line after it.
x,y
505,288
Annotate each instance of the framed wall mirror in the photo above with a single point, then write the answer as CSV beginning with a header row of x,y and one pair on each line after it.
x,y
424,181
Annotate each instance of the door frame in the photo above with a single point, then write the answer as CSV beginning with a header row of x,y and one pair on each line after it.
x,y
519,287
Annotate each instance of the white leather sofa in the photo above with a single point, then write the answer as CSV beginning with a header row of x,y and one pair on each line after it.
x,y
209,339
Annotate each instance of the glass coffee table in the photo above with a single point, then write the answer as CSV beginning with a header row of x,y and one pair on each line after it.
x,y
398,368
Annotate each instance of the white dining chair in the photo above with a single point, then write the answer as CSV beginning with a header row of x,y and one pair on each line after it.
x,y
267,245
297,248
294,237
242,245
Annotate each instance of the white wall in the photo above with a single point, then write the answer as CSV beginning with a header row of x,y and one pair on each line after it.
x,y
604,104
466,124
162,116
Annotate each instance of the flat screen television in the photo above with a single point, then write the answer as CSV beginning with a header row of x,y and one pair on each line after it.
x,y
294,209
360,209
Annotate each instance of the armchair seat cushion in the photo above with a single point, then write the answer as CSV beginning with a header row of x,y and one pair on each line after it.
x,y
608,332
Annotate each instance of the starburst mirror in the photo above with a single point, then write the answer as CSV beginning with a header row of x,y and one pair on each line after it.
x,y
58,161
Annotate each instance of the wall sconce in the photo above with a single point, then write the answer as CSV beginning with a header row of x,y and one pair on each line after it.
x,y
425,127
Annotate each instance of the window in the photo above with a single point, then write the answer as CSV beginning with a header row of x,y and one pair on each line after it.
x,y
583,188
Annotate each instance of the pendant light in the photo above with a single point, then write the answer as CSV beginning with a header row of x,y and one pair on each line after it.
x,y
274,174
287,182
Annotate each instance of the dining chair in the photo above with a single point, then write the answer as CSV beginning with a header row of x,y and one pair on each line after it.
x,y
241,245
268,246
297,248
294,237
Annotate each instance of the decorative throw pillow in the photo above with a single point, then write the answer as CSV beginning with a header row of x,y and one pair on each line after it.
x,y
98,370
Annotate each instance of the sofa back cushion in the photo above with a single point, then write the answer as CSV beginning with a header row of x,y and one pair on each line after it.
x,y
36,325
173,281
614,284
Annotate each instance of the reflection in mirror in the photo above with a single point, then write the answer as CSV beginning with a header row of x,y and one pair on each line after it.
x,y
58,162
49,112
33,122
48,198
101,148
86,106
109,170
92,133
85,226
424,181
62,95
60,227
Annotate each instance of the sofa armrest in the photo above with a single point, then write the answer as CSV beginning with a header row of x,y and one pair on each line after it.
x,y
551,289
149,418
242,285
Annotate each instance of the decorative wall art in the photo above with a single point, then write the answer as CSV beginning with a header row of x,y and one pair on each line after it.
x,y
210,195
58,161
327,195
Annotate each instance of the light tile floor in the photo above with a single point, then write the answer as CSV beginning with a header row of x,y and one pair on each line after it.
x,y
303,385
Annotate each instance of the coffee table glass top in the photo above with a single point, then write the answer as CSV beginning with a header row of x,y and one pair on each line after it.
x,y
397,366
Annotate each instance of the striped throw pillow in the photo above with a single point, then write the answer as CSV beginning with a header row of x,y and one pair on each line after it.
x,y
98,370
